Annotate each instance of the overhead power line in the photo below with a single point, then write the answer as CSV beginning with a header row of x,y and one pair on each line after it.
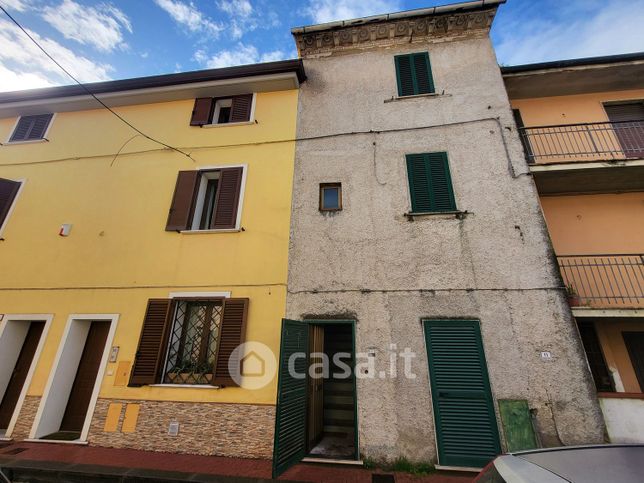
x,y
90,92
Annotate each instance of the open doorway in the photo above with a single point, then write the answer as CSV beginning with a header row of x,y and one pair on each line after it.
x,y
21,340
331,415
67,406
316,416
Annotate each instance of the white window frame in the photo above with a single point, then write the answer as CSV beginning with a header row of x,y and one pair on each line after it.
x,y
13,204
215,114
23,318
43,139
196,217
37,431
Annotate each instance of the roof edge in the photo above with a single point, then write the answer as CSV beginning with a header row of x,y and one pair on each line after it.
x,y
560,64
453,7
158,81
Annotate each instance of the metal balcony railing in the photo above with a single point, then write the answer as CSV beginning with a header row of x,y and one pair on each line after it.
x,y
583,142
601,281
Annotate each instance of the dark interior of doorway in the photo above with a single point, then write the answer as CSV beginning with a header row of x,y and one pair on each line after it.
x,y
331,401
81,391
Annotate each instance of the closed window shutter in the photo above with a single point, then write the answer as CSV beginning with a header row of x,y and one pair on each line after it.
x,y
240,110
430,183
227,202
414,74
8,192
625,112
404,74
440,182
183,201
31,128
418,183
423,73
202,111
233,332
152,344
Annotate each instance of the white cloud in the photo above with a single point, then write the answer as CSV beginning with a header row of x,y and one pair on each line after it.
x,y
322,11
15,5
236,8
242,54
101,26
575,30
15,81
189,16
21,56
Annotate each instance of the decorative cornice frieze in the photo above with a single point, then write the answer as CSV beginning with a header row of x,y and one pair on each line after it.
x,y
311,43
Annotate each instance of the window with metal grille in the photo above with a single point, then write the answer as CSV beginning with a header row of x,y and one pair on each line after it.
x,y
31,128
414,74
430,183
192,347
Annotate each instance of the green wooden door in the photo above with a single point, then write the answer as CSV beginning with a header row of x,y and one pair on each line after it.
x,y
290,420
466,429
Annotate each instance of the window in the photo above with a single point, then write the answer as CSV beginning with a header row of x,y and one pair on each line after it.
x,y
8,192
206,200
634,342
192,348
189,341
330,197
31,128
414,74
594,355
627,121
222,110
430,183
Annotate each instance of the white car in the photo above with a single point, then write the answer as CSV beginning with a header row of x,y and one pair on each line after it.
x,y
574,464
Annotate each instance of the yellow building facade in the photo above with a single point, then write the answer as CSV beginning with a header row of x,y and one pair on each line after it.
x,y
582,126
90,249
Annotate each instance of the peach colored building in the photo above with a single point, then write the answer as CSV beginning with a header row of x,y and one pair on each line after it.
x,y
581,123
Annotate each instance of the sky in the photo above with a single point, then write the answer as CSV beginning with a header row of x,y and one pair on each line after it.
x,y
100,40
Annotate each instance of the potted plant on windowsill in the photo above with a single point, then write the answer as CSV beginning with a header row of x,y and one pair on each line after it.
x,y
574,300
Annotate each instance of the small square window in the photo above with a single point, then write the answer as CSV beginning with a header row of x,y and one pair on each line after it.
x,y
330,197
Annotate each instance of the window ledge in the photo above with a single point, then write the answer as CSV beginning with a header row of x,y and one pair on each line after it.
x,y
187,386
225,124
29,141
447,214
204,232
416,96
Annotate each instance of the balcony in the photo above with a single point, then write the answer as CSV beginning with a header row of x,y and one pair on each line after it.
x,y
604,281
595,157
594,141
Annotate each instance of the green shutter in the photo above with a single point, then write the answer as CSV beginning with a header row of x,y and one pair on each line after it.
x,y
430,183
290,420
517,425
466,429
414,74
423,73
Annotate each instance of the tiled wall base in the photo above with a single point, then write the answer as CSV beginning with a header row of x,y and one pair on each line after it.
x,y
234,430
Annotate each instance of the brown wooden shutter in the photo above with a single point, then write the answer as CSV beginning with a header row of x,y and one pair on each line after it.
x,y
8,192
202,111
227,198
233,333
31,128
150,353
183,201
240,110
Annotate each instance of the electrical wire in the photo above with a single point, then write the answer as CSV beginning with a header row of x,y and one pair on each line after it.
x,y
90,92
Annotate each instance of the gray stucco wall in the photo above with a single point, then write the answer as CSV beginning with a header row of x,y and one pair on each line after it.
x,y
372,263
